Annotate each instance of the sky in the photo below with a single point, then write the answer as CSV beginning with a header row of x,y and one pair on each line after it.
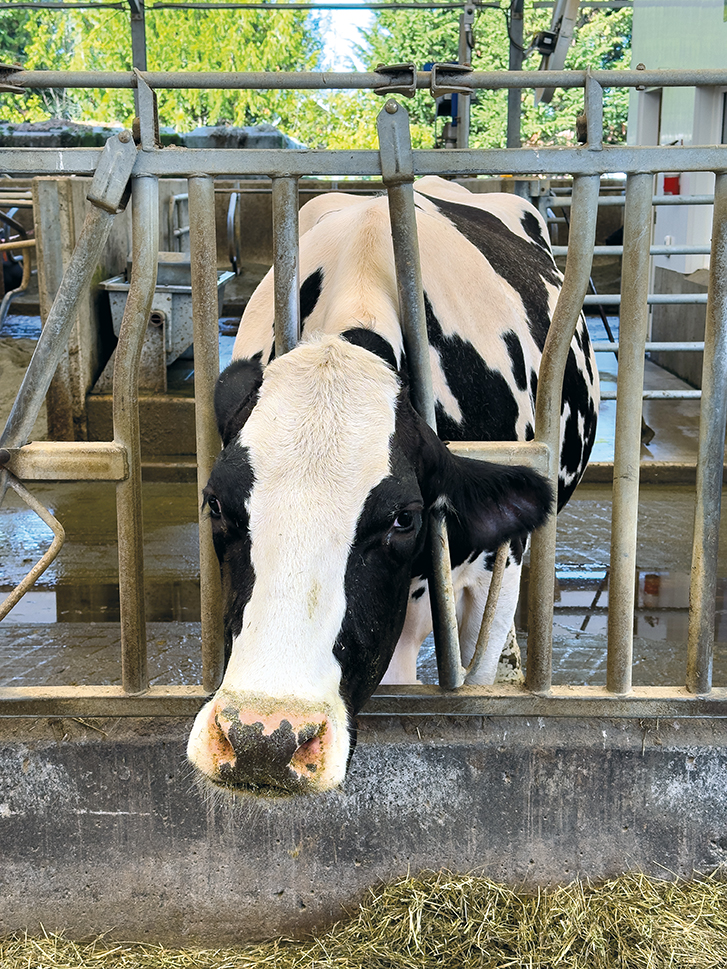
x,y
340,36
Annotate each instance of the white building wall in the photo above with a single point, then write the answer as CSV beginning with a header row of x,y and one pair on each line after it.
x,y
679,34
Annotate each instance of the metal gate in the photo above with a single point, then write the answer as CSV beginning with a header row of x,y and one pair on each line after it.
x,y
123,163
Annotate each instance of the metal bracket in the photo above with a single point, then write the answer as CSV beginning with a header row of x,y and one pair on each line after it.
x,y
403,80
397,161
147,134
110,185
6,83
446,79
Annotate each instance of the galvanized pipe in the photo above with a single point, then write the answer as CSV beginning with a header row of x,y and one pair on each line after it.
x,y
627,444
327,80
286,275
145,243
710,462
547,423
396,166
593,97
205,316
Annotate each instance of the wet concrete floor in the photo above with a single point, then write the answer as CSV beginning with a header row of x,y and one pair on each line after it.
x,y
65,631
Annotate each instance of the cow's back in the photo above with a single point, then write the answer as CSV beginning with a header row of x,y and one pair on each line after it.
x,y
490,287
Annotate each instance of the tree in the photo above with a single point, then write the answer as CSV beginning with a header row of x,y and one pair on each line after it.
x,y
177,40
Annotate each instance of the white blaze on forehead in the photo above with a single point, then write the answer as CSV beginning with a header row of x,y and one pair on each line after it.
x,y
318,442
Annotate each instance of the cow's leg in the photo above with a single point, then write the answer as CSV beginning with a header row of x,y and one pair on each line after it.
x,y
417,626
472,606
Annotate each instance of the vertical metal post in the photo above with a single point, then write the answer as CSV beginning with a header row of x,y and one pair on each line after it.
x,y
712,420
514,94
594,113
286,262
581,239
205,315
145,244
138,41
466,43
398,175
627,445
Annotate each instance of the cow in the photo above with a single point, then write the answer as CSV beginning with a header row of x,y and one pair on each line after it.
x,y
321,497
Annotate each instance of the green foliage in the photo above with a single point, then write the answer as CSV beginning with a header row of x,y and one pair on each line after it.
x,y
183,40
258,40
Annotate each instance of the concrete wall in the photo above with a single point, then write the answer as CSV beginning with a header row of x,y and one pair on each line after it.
x,y
102,830
678,322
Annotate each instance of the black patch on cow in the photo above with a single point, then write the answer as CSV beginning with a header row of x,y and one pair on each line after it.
x,y
534,230
310,292
529,432
489,409
228,491
485,504
373,342
526,266
517,360
236,394
418,593
390,535
575,448
533,388
585,343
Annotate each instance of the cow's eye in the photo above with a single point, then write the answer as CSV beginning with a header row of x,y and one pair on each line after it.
x,y
404,521
214,506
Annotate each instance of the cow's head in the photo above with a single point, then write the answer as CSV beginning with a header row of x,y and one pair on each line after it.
x,y
319,504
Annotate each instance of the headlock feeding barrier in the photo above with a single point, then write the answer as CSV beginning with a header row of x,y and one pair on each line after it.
x,y
133,164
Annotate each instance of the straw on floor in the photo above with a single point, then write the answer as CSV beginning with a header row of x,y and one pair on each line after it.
x,y
443,920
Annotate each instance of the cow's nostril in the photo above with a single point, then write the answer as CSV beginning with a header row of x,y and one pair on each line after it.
x,y
307,757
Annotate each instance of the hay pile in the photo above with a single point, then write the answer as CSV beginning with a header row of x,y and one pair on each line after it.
x,y
447,921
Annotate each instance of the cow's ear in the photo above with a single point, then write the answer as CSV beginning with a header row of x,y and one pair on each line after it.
x,y
487,504
236,394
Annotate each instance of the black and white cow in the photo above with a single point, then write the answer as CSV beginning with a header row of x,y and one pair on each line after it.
x,y
321,496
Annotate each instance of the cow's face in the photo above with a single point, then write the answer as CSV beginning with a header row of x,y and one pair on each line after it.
x,y
319,504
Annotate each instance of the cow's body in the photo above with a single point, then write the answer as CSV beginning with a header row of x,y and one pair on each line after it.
x,y
321,496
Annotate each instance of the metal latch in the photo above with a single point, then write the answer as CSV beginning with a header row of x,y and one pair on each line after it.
x,y
403,80
6,73
447,79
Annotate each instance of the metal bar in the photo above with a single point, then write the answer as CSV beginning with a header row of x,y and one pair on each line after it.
x,y
42,564
607,200
421,701
627,443
594,113
396,168
658,395
547,424
533,454
205,314
663,299
318,80
232,163
145,241
600,346
712,420
654,250
67,461
286,261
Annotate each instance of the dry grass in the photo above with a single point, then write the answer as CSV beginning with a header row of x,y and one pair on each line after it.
x,y
443,920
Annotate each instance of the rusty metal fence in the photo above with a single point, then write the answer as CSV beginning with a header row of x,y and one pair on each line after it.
x,y
135,165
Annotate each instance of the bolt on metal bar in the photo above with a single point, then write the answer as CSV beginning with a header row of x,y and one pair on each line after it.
x,y
627,443
712,420
205,317
286,275
145,243
398,176
547,423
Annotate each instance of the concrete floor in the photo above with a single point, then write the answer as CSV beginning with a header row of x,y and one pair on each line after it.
x,y
66,629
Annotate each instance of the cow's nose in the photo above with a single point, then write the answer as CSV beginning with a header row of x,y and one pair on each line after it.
x,y
279,751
